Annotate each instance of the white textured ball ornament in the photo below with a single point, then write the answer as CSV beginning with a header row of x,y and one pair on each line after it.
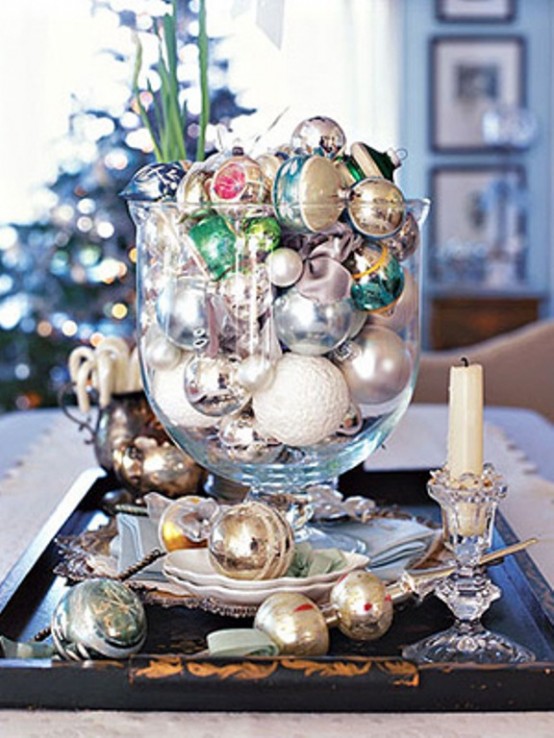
x,y
284,266
168,393
306,401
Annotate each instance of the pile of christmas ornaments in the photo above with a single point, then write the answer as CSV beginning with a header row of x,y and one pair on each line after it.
x,y
278,307
252,542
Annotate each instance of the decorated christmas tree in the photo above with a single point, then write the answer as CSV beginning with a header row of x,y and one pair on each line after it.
x,y
68,277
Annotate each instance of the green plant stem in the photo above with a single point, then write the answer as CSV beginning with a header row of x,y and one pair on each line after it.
x,y
203,73
167,131
142,110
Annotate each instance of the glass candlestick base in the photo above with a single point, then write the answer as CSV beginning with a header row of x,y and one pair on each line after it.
x,y
468,508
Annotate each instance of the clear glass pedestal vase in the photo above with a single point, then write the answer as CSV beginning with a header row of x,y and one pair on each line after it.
x,y
260,381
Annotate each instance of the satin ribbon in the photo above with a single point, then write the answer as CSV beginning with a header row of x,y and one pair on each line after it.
x,y
324,278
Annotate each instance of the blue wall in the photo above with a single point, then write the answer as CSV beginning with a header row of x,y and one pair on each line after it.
x,y
533,23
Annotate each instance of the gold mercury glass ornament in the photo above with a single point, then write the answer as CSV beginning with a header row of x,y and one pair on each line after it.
x,y
177,529
295,623
251,541
376,207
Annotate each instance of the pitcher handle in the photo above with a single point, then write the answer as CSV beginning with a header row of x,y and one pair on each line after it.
x,y
84,424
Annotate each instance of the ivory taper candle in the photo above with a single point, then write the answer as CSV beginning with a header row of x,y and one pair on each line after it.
x,y
465,430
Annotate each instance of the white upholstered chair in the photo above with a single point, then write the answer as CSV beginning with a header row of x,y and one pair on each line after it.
x,y
518,366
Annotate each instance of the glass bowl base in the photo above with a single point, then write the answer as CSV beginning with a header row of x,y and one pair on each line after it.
x,y
467,644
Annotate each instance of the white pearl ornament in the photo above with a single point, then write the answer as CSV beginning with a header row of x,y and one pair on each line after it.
x,y
285,267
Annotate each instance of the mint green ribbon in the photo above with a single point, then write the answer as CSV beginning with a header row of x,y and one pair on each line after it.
x,y
25,650
310,562
241,642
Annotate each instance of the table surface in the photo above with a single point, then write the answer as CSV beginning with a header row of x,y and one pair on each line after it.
x,y
42,453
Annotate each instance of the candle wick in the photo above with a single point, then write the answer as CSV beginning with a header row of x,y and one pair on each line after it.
x,y
464,361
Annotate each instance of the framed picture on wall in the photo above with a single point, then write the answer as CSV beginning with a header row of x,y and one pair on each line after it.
x,y
478,226
472,77
475,11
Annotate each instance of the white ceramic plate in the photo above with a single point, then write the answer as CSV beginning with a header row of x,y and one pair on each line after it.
x,y
194,566
227,596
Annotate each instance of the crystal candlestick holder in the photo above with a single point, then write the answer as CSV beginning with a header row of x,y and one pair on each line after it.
x,y
468,507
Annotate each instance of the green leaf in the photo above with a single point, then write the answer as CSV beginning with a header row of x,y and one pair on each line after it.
x,y
142,110
138,63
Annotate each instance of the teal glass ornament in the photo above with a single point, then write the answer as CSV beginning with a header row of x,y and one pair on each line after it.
x,y
307,194
378,277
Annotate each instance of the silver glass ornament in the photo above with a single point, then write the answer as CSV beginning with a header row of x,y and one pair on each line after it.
x,y
193,192
376,207
167,393
244,442
246,294
269,164
98,618
146,463
309,327
359,319
284,266
251,541
186,523
376,365
211,385
403,244
319,135
182,312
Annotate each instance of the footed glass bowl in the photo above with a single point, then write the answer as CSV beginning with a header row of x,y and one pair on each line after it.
x,y
278,356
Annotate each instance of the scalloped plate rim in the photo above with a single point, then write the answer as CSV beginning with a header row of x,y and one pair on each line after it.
x,y
254,597
208,575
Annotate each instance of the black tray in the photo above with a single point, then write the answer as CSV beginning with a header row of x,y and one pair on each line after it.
x,y
354,677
